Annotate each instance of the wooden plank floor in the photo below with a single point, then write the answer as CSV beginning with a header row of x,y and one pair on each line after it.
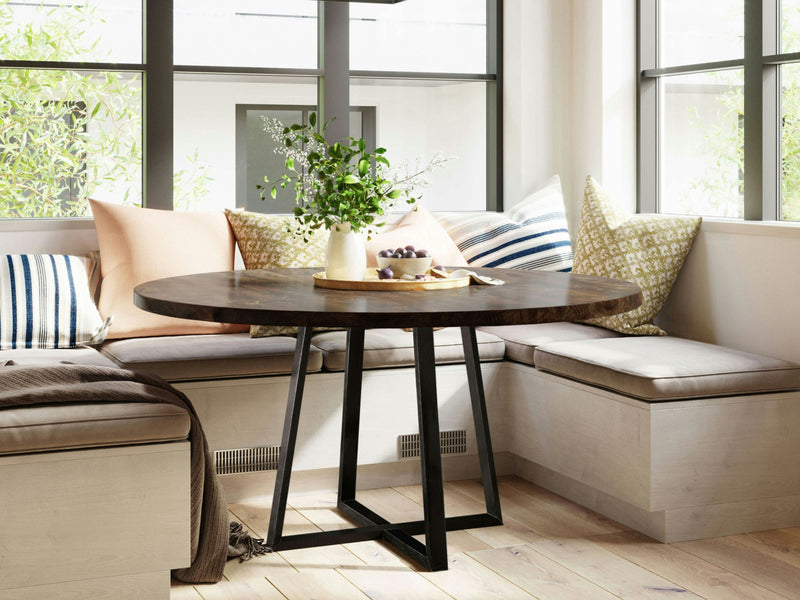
x,y
548,548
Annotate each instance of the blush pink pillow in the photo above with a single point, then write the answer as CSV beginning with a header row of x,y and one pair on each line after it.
x,y
140,244
420,229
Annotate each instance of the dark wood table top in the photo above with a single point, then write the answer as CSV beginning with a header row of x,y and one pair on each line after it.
x,y
288,297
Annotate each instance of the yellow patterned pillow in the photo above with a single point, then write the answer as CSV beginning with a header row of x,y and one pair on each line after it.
x,y
648,250
265,243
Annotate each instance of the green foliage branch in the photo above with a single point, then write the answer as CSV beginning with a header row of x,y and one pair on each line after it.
x,y
340,182
64,134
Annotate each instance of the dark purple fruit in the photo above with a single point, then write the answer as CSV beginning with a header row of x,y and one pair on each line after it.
x,y
423,253
397,255
422,276
399,250
409,254
410,247
385,273
439,268
385,253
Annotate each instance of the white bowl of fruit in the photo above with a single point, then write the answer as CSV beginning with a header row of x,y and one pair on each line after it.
x,y
394,263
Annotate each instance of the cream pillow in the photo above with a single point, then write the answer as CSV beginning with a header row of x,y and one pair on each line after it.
x,y
648,250
265,243
418,228
139,245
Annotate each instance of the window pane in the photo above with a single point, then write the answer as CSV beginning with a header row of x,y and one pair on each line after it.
x,y
702,151
790,142
790,25
246,33
66,137
446,36
694,32
96,31
212,162
417,119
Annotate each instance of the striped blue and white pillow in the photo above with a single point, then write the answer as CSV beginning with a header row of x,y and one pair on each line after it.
x,y
531,235
45,303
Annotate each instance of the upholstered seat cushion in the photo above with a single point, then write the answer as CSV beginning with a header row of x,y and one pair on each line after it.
x,y
35,356
70,426
182,357
522,340
667,368
395,347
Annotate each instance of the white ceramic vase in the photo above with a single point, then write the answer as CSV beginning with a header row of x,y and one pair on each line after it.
x,y
346,257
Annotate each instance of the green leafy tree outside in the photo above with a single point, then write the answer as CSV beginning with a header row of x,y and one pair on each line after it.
x,y
66,134
724,145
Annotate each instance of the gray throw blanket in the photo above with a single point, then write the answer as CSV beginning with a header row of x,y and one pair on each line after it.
x,y
214,540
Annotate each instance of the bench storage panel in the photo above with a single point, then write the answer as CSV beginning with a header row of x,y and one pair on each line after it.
x,y
674,470
86,520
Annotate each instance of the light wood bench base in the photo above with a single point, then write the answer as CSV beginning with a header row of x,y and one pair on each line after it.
x,y
673,470
99,523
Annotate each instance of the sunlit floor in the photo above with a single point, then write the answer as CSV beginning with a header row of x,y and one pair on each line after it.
x,y
548,548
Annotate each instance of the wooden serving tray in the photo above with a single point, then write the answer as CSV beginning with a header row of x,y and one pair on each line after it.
x,y
371,283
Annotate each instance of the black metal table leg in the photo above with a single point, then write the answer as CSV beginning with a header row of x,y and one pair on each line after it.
x,y
430,453
289,438
432,554
351,415
481,419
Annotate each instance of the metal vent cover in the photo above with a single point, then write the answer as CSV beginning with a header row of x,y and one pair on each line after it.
x,y
450,442
246,460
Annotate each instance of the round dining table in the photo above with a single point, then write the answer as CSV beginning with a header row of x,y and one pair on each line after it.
x,y
290,297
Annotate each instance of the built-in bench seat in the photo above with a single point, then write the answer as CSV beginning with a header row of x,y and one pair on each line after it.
x,y
676,438
395,348
236,355
213,356
35,356
94,425
656,368
521,340
100,489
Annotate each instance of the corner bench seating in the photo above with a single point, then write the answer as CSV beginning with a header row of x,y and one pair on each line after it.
x,y
674,438
94,500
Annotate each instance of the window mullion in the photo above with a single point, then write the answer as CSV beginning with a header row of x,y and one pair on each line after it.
x,y
334,85
494,106
771,113
753,106
647,122
157,109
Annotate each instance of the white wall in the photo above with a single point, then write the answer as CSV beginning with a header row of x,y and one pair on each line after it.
x,y
739,288
537,96
570,98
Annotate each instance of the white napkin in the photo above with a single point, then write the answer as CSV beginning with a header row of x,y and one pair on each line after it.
x,y
481,279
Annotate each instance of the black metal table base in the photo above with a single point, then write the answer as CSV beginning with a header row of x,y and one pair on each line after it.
x,y
433,553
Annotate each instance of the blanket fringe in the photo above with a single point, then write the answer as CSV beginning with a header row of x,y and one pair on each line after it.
x,y
244,546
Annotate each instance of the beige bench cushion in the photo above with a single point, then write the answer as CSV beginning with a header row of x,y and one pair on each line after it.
x,y
522,340
395,347
78,356
182,357
70,426
667,368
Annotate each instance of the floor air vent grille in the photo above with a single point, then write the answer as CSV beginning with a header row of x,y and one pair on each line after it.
x,y
451,442
246,460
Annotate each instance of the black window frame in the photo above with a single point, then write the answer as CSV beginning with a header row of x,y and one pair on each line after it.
x,y
762,114
158,72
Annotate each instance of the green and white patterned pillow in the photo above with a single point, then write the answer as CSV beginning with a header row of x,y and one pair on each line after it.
x,y
265,243
648,250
